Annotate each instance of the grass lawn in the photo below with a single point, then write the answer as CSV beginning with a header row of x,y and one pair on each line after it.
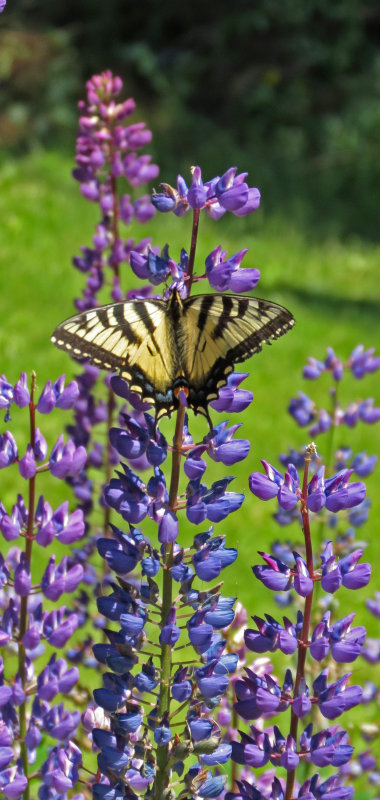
x,y
331,287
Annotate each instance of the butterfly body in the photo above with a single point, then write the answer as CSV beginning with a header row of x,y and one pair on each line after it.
x,y
161,347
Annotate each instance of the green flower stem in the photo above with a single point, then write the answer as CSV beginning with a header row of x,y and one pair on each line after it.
x,y
24,600
303,643
162,775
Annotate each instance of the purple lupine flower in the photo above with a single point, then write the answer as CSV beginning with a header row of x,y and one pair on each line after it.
x,y
8,449
274,484
131,441
222,447
162,733
212,786
60,723
168,528
40,446
335,698
13,782
346,642
232,399
271,635
57,629
346,571
22,577
362,362
11,526
65,397
225,274
127,494
47,399
275,574
313,369
211,558
21,395
66,459
364,465
340,494
303,583
302,409
6,392
368,413
27,464
58,580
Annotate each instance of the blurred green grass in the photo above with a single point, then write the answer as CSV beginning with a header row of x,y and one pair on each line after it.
x,y
331,287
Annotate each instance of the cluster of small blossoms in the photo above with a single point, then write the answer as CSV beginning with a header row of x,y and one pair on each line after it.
x,y
107,151
223,273
259,694
230,192
32,714
340,504
156,711
108,163
360,363
130,655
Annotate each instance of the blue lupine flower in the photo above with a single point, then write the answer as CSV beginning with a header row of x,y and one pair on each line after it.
x,y
219,612
214,504
209,683
221,755
127,495
210,559
170,632
162,733
200,728
212,786
121,554
168,528
200,632
131,441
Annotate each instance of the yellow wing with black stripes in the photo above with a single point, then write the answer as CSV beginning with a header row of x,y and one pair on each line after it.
x,y
222,330
162,346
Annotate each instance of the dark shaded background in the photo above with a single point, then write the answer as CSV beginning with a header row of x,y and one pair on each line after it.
x,y
287,89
